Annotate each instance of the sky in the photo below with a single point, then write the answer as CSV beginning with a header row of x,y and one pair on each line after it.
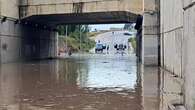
x,y
105,26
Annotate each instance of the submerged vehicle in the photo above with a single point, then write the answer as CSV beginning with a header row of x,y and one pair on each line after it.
x,y
99,48
121,47
127,34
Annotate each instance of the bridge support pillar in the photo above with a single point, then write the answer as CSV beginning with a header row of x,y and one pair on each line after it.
x,y
150,40
39,43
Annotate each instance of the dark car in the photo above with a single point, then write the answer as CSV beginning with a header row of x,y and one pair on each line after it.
x,y
99,48
121,47
128,34
104,46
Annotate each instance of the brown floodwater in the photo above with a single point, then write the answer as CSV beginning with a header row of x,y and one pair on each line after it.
x,y
87,82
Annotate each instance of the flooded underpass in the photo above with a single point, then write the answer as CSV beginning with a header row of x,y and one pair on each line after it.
x,y
86,82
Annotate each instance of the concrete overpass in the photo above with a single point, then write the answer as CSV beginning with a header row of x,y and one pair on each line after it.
x,y
39,18
52,13
80,11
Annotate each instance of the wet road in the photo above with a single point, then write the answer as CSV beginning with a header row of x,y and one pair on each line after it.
x,y
110,39
95,82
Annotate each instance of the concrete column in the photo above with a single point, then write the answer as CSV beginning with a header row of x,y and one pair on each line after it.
x,y
38,42
150,32
56,45
150,88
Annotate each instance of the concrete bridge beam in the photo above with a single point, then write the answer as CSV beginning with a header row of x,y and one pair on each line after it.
x,y
80,11
48,7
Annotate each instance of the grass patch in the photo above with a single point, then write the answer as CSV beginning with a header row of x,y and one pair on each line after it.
x,y
74,43
132,40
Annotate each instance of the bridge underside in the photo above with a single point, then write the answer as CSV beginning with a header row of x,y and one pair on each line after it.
x,y
83,18
35,41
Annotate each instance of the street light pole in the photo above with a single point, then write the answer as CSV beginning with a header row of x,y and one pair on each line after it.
x,y
66,37
80,36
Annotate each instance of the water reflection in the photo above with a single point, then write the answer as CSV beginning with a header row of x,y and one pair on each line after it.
x,y
110,74
9,86
171,90
85,83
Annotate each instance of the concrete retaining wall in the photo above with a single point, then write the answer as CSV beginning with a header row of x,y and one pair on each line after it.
x,y
189,53
10,41
21,41
178,42
172,35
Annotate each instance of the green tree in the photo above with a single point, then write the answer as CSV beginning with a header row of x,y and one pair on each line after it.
x,y
77,36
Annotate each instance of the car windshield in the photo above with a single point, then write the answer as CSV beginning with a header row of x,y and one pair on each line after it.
x,y
99,45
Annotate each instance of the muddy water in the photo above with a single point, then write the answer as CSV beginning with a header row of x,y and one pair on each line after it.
x,y
82,83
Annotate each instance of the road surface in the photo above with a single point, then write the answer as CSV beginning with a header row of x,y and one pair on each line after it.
x,y
112,38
